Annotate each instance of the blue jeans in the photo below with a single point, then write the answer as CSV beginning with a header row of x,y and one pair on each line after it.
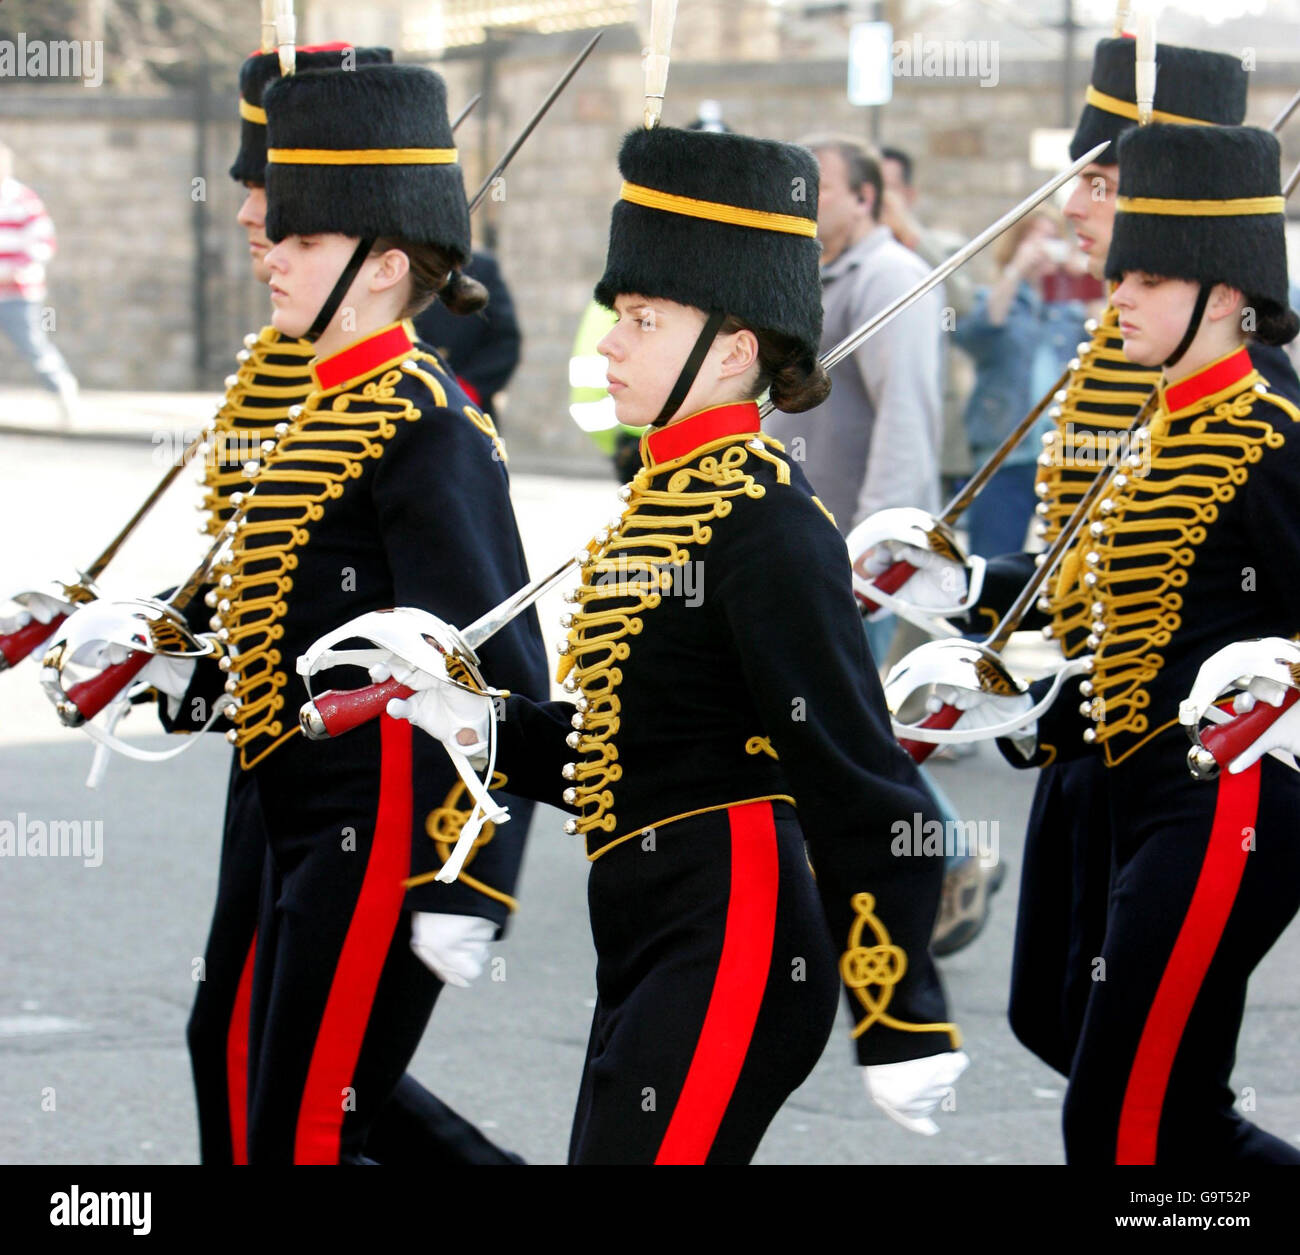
x,y
21,321
1000,515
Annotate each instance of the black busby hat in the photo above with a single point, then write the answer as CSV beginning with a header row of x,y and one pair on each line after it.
x,y
263,68
1191,86
721,222
365,153
1203,203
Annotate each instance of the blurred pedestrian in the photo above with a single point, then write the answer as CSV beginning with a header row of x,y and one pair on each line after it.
x,y
933,246
1019,343
875,442
27,242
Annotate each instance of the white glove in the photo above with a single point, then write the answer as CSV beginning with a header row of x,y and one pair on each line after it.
x,y
985,710
1258,668
448,713
39,606
938,583
453,947
910,1091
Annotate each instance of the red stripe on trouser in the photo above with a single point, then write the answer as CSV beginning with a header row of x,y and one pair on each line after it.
x,y
361,960
237,1060
1198,938
737,988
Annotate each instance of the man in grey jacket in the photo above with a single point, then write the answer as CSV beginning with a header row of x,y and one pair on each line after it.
x,y
875,441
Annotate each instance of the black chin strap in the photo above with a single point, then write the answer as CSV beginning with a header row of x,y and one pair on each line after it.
x,y
335,298
692,368
1193,325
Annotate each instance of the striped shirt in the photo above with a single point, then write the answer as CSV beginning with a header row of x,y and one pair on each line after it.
x,y
26,242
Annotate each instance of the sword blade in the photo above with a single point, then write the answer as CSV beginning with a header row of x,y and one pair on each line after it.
x,y
533,121
856,339
488,625
1064,541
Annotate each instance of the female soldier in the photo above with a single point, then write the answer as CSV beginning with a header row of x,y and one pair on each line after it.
x,y
1183,555
273,375
721,680
384,456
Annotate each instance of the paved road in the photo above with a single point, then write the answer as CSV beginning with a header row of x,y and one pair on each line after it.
x,y
95,982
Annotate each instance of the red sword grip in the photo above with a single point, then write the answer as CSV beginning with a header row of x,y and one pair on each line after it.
x,y
337,711
1226,741
91,696
17,645
890,580
944,717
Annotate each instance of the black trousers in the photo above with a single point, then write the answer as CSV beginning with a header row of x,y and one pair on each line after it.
x,y
1061,917
716,989
412,1127
1204,878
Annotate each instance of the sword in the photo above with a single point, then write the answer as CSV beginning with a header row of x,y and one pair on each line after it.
x,y
1216,747
87,698
893,577
469,108
993,645
1287,110
347,709
336,711
855,339
15,646
542,110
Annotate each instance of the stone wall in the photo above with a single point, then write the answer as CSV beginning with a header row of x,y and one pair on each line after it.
x,y
117,176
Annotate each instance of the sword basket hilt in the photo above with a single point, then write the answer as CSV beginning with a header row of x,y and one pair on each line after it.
x,y
17,645
337,711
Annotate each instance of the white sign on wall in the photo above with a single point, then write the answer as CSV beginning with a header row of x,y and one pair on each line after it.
x,y
871,81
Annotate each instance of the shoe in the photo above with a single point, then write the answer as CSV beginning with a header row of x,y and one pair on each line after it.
x,y
963,906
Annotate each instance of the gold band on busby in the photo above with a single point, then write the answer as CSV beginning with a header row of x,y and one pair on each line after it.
x,y
722,222
1193,88
262,69
366,153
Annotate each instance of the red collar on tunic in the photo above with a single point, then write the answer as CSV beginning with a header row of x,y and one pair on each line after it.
x,y
667,444
1216,377
387,347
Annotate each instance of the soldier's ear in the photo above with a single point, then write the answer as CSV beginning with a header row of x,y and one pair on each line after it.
x,y
394,266
1225,302
742,355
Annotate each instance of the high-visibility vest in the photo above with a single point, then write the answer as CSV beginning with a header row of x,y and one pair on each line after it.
x,y
590,405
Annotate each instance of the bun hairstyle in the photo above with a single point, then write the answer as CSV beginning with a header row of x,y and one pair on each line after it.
x,y
1274,324
794,380
463,295
434,277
